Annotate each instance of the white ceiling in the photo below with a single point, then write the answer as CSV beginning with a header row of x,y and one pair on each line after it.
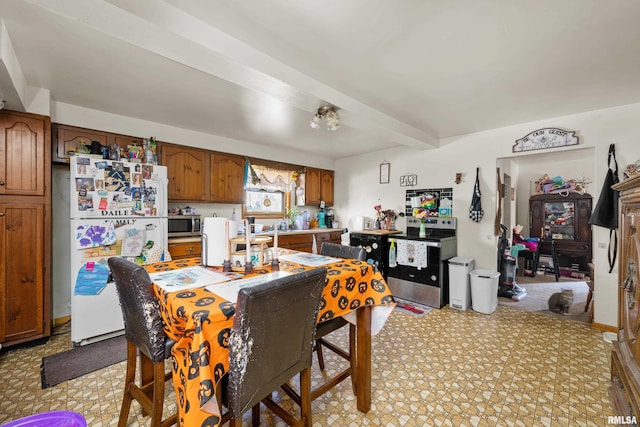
x,y
402,73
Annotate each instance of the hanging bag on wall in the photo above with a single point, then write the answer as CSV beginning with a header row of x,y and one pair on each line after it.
x,y
475,210
605,214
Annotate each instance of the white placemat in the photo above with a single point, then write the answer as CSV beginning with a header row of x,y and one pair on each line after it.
x,y
229,290
187,278
311,260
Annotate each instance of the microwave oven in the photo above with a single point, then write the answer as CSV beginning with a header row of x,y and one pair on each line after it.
x,y
185,225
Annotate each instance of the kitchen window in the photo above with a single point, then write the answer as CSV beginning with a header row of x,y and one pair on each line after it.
x,y
268,192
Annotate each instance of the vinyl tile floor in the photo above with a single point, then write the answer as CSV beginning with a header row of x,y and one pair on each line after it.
x,y
447,368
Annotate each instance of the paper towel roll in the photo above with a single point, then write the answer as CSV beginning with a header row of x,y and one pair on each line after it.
x,y
214,245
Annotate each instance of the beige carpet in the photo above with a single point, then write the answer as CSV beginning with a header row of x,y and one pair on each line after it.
x,y
541,287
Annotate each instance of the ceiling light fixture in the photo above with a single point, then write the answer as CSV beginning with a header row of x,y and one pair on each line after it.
x,y
330,117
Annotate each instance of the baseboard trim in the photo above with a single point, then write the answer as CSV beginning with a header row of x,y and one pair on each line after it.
x,y
603,327
61,320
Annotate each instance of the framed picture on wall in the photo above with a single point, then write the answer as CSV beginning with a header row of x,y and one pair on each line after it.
x,y
384,172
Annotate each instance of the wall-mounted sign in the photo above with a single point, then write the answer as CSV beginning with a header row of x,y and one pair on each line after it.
x,y
545,138
408,180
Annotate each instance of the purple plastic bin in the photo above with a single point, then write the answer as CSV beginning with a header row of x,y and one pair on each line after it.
x,y
50,419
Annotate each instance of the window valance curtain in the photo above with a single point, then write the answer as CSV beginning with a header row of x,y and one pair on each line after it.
x,y
268,179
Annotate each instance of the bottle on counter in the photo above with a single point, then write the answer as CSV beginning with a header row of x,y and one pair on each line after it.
x,y
392,253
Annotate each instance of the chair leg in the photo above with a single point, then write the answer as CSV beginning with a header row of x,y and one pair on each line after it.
x,y
589,297
130,376
255,414
305,396
158,394
320,357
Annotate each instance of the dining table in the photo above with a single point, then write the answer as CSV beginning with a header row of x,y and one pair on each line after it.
x,y
200,322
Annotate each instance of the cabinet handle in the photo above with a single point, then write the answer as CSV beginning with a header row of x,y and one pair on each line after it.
x,y
1,213
190,249
1,182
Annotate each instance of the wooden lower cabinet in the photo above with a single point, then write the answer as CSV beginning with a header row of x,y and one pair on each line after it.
x,y
185,250
24,298
304,241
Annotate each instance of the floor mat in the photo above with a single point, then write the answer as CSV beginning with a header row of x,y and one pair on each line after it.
x,y
79,361
412,308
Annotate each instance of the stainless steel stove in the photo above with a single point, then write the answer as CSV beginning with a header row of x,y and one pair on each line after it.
x,y
421,272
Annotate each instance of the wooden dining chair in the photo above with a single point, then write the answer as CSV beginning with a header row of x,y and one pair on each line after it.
x,y
145,334
329,326
271,341
590,282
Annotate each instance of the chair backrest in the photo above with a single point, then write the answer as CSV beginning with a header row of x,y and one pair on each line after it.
x,y
272,337
140,308
342,251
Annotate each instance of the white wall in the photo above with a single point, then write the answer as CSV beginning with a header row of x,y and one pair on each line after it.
x,y
358,189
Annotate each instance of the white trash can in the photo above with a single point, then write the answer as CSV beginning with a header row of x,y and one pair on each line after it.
x,y
459,289
484,290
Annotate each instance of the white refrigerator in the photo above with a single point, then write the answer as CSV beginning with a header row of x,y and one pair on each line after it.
x,y
117,209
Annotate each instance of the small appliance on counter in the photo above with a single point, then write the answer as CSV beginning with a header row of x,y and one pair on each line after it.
x,y
216,233
329,218
185,225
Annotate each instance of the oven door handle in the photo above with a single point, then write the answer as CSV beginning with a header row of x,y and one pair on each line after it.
x,y
433,244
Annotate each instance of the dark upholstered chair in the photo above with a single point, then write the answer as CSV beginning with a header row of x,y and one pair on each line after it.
x,y
144,332
329,326
272,341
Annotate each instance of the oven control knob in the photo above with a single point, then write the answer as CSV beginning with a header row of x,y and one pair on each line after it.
x,y
434,277
374,246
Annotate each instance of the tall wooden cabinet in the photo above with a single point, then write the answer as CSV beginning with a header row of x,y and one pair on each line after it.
x,y
566,220
25,227
625,356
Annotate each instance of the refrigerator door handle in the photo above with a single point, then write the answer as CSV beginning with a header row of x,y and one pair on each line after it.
x,y
162,211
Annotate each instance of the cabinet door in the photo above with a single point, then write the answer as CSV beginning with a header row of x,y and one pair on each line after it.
x,y
23,155
227,178
187,172
312,186
185,250
326,187
71,138
21,277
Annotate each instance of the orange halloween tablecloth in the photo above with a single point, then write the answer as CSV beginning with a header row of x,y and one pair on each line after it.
x,y
200,322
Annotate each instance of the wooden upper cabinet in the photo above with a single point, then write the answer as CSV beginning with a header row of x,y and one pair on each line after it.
x,y
318,186
187,170
70,138
326,187
23,154
227,178
312,187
